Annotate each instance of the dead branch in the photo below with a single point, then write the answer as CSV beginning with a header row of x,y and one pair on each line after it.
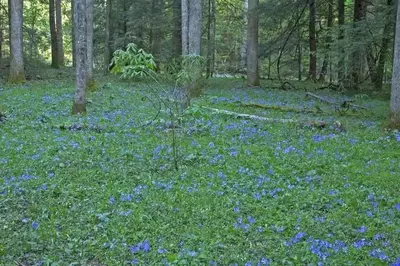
x,y
344,104
281,108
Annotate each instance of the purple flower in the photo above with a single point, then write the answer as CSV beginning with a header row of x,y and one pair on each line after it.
x,y
362,229
35,225
297,238
361,243
378,254
162,250
146,246
251,219
397,261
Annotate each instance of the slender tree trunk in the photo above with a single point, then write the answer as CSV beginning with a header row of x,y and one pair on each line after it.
x,y
357,56
59,28
211,38
73,33
384,48
79,105
107,40
53,34
185,27
312,73
341,60
243,48
326,62
253,78
177,29
195,27
89,45
395,95
17,73
156,32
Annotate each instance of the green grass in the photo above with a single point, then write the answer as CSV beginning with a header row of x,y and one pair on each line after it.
x,y
246,191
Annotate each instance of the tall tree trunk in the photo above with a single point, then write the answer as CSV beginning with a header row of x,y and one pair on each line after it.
x,y
156,32
89,44
243,47
360,8
195,27
107,40
59,29
326,62
253,78
395,95
53,34
341,60
177,29
79,105
185,27
211,38
17,73
312,72
384,48
73,33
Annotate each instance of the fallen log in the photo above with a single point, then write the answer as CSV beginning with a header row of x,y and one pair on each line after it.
x,y
281,108
318,124
345,103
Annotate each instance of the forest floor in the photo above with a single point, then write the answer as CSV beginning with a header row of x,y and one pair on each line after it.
x,y
102,189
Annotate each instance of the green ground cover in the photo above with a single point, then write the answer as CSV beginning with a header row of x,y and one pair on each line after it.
x,y
102,190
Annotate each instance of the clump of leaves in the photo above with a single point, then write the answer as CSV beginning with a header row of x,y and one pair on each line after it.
x,y
133,62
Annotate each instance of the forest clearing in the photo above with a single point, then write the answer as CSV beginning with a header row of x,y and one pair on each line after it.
x,y
199,132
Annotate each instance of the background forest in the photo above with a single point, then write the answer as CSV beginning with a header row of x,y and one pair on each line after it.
x,y
334,41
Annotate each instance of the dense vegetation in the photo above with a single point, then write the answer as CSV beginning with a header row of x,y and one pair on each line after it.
x,y
214,132
102,190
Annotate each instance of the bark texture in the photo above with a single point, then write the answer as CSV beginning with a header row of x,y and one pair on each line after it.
x,y
156,32
341,64
177,30
185,27
253,78
312,72
211,38
326,62
89,44
59,29
79,105
107,39
16,74
395,94
73,33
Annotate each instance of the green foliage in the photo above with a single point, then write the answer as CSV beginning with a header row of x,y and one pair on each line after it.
x,y
87,191
132,63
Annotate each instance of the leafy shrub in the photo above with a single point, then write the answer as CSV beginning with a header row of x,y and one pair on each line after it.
x,y
133,62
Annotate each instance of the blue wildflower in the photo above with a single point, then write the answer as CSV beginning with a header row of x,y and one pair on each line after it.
x,y
397,206
251,219
264,261
361,243
362,229
35,225
378,254
162,250
396,262
297,238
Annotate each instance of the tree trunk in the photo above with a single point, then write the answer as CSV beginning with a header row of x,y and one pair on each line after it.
x,y
360,8
384,48
59,29
243,47
73,33
341,60
253,78
16,74
53,34
156,32
195,27
312,73
325,64
107,40
185,27
89,44
395,95
211,38
79,105
177,29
